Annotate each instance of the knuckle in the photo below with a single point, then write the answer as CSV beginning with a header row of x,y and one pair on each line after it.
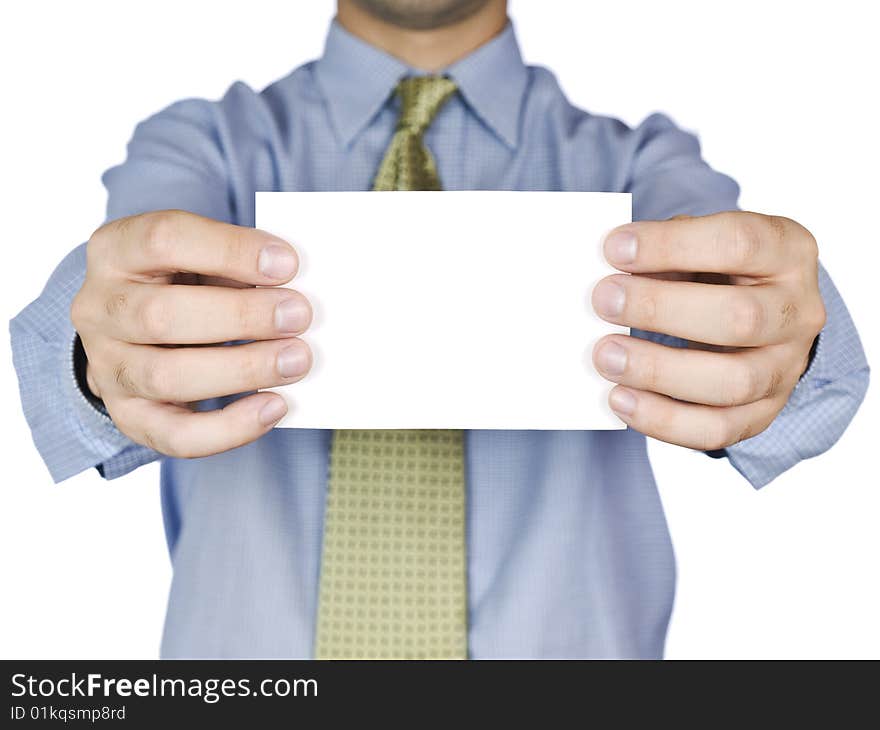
x,y
97,245
253,371
665,244
155,319
774,383
79,311
807,243
159,233
247,313
744,241
169,444
235,250
742,385
740,434
812,247
94,252
818,317
122,226
661,420
789,314
142,429
748,318
180,445
115,304
718,433
645,308
122,376
156,380
184,451
650,374
151,443
777,227
119,413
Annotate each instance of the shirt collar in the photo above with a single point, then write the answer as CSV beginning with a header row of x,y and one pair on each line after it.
x,y
493,81
357,79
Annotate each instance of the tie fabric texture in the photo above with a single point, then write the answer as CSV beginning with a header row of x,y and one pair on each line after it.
x,y
393,570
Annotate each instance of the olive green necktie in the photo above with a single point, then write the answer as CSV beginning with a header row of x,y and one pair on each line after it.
x,y
393,580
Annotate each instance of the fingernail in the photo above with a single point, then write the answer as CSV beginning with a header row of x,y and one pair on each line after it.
x,y
621,247
291,316
277,262
608,299
292,361
611,359
622,402
273,411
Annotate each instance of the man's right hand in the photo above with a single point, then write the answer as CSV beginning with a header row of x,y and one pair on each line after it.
x,y
163,291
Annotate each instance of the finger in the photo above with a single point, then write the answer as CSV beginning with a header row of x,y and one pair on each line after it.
x,y
186,374
175,241
725,243
177,314
739,316
702,427
179,432
711,378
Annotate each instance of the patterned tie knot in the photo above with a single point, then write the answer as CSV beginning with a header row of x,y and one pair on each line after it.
x,y
420,99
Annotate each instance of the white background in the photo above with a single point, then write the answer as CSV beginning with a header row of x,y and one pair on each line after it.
x,y
783,95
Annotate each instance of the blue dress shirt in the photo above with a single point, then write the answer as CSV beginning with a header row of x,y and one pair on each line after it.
x,y
568,549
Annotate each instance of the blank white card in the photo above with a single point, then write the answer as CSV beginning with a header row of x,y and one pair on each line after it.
x,y
449,309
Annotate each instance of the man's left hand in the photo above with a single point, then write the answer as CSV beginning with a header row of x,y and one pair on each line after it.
x,y
743,289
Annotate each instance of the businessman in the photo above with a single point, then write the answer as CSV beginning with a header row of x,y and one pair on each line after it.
x,y
419,544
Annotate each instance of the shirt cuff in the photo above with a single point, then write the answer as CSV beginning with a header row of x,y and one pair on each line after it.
x,y
762,458
104,441
117,453
821,405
